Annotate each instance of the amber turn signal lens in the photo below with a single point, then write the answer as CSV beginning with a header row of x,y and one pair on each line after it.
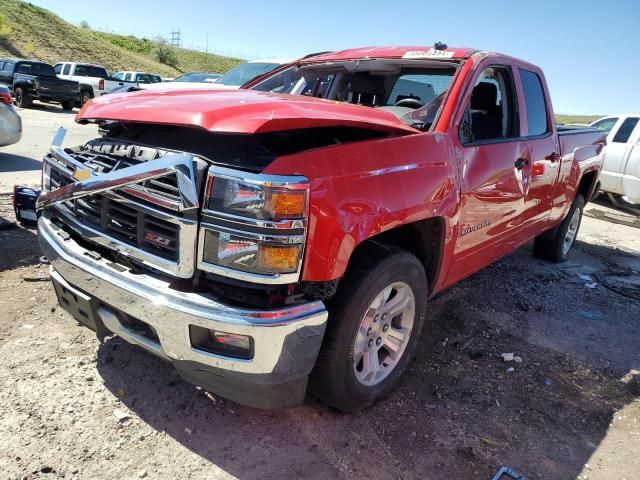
x,y
285,204
283,259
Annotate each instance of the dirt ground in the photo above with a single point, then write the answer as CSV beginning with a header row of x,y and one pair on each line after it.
x,y
569,409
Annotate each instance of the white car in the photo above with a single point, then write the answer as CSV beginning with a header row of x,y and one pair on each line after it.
x,y
621,168
137,77
94,80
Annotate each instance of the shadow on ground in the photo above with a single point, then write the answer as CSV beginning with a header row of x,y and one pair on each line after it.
x,y
458,411
10,162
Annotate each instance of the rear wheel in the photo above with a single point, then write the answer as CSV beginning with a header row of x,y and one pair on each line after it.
x,y
557,248
374,322
67,105
22,100
85,96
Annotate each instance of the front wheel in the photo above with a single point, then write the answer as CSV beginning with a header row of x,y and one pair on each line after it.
x,y
557,248
22,100
374,322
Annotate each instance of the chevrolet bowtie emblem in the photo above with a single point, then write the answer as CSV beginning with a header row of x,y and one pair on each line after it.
x,y
81,174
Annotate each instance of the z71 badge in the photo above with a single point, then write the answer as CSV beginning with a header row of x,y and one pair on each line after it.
x,y
157,239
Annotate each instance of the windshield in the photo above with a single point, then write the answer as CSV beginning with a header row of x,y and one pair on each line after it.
x,y
247,71
197,77
34,68
414,94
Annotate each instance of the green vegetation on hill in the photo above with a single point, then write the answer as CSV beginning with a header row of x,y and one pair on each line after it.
x,y
28,31
584,119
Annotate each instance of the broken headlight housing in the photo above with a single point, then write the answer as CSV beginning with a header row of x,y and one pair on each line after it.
x,y
253,226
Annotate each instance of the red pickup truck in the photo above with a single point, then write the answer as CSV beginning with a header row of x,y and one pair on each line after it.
x,y
269,244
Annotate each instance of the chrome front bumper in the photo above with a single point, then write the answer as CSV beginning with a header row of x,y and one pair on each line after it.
x,y
286,341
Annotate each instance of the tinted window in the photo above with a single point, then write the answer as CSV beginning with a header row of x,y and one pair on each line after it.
x,y
535,102
625,130
58,68
155,79
8,67
66,69
142,78
41,69
127,77
605,125
247,71
91,71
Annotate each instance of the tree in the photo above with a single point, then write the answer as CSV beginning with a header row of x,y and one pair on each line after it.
x,y
85,24
164,52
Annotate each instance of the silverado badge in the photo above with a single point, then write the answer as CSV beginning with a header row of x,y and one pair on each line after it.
x,y
81,174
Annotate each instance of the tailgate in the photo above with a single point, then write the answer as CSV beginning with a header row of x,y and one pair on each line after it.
x,y
53,86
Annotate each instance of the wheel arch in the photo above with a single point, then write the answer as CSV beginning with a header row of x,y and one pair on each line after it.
x,y
423,238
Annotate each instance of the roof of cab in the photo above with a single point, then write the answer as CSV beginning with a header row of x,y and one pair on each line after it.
x,y
417,52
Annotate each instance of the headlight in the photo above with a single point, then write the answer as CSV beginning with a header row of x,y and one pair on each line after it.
x,y
253,226
260,201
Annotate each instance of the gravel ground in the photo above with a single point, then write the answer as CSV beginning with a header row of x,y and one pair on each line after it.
x,y
75,408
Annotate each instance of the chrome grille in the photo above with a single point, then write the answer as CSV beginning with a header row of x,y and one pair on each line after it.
x,y
146,221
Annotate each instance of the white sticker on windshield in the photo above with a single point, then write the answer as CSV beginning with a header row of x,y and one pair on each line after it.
x,y
431,53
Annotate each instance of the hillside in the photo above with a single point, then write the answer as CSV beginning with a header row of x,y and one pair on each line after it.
x,y
585,119
29,31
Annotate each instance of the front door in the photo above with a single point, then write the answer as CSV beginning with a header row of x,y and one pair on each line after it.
x,y
494,172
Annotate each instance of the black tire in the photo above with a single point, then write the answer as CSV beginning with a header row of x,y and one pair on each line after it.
x,y
333,379
85,96
22,99
67,105
554,248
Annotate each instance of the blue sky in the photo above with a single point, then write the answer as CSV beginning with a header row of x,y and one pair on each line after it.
x,y
588,49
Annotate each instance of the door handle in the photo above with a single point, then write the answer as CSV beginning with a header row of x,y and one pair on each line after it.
x,y
521,163
553,157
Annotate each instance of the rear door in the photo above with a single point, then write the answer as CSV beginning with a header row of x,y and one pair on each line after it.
x,y
619,144
542,147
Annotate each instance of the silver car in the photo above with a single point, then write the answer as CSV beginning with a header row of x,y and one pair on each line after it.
x,y
10,121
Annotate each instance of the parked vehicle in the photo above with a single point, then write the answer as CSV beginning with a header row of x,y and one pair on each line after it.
x,y
198,77
621,168
94,80
245,72
267,244
31,80
137,77
10,121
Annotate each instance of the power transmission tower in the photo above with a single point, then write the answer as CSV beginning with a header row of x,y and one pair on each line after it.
x,y
175,38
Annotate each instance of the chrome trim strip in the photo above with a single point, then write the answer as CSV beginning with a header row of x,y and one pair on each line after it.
x,y
182,164
268,237
288,224
288,181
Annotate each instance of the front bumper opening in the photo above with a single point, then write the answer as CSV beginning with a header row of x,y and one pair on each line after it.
x,y
221,343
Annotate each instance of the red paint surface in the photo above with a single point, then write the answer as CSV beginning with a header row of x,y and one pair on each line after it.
x,y
237,111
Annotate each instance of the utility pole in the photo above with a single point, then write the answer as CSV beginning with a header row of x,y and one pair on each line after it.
x,y
175,38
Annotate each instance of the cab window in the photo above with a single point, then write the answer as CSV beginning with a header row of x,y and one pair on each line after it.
x,y
625,130
492,111
58,69
127,77
67,69
535,103
606,124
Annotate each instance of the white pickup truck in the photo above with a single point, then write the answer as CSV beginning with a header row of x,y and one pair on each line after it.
x,y
94,80
620,173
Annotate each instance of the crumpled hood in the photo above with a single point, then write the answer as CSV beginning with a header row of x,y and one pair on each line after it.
x,y
237,111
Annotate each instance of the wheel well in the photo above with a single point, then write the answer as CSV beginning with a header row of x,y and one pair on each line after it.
x,y
86,88
587,184
424,239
